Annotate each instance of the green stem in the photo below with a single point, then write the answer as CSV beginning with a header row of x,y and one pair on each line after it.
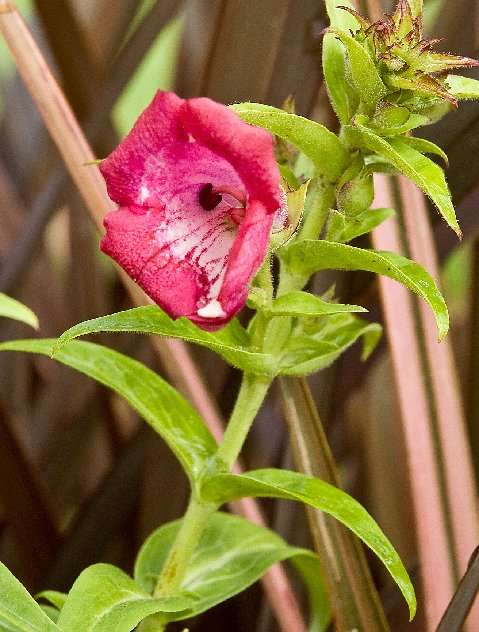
x,y
250,397
192,527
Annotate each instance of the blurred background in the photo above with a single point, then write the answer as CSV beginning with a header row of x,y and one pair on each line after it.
x,y
82,479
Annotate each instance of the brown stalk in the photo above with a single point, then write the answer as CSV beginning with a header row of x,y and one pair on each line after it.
x,y
431,530
75,151
453,454
354,599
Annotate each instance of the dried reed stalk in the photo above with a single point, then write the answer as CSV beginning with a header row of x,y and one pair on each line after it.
x,y
438,479
76,152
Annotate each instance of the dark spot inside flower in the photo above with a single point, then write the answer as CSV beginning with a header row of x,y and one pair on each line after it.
x,y
208,197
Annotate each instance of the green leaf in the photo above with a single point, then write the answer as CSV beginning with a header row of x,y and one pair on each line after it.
x,y
318,143
171,416
305,304
231,555
379,127
310,571
343,97
365,76
55,598
463,88
309,256
10,308
105,599
231,342
320,495
424,172
313,348
365,223
19,612
51,612
426,147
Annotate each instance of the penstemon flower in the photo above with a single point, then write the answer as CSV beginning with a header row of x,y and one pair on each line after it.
x,y
198,190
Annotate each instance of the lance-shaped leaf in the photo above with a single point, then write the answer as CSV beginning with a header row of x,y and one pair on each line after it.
x,y
342,95
318,143
463,88
428,176
231,342
55,602
10,308
308,351
366,78
19,612
378,125
426,147
299,303
232,554
320,495
365,223
416,7
170,415
105,599
306,257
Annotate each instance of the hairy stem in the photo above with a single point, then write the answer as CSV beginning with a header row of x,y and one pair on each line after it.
x,y
250,397
192,527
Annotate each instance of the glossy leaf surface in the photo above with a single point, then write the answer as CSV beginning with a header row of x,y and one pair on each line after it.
x,y
170,415
306,257
320,495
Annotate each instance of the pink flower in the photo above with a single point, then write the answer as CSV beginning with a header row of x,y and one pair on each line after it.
x,y
198,190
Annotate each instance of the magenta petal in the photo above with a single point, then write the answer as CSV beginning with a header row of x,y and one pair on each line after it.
x,y
198,190
248,149
159,125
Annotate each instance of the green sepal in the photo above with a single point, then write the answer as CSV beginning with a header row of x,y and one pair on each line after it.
x,y
364,74
296,201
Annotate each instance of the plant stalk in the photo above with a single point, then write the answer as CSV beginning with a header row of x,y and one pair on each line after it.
x,y
192,527
250,397
354,598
